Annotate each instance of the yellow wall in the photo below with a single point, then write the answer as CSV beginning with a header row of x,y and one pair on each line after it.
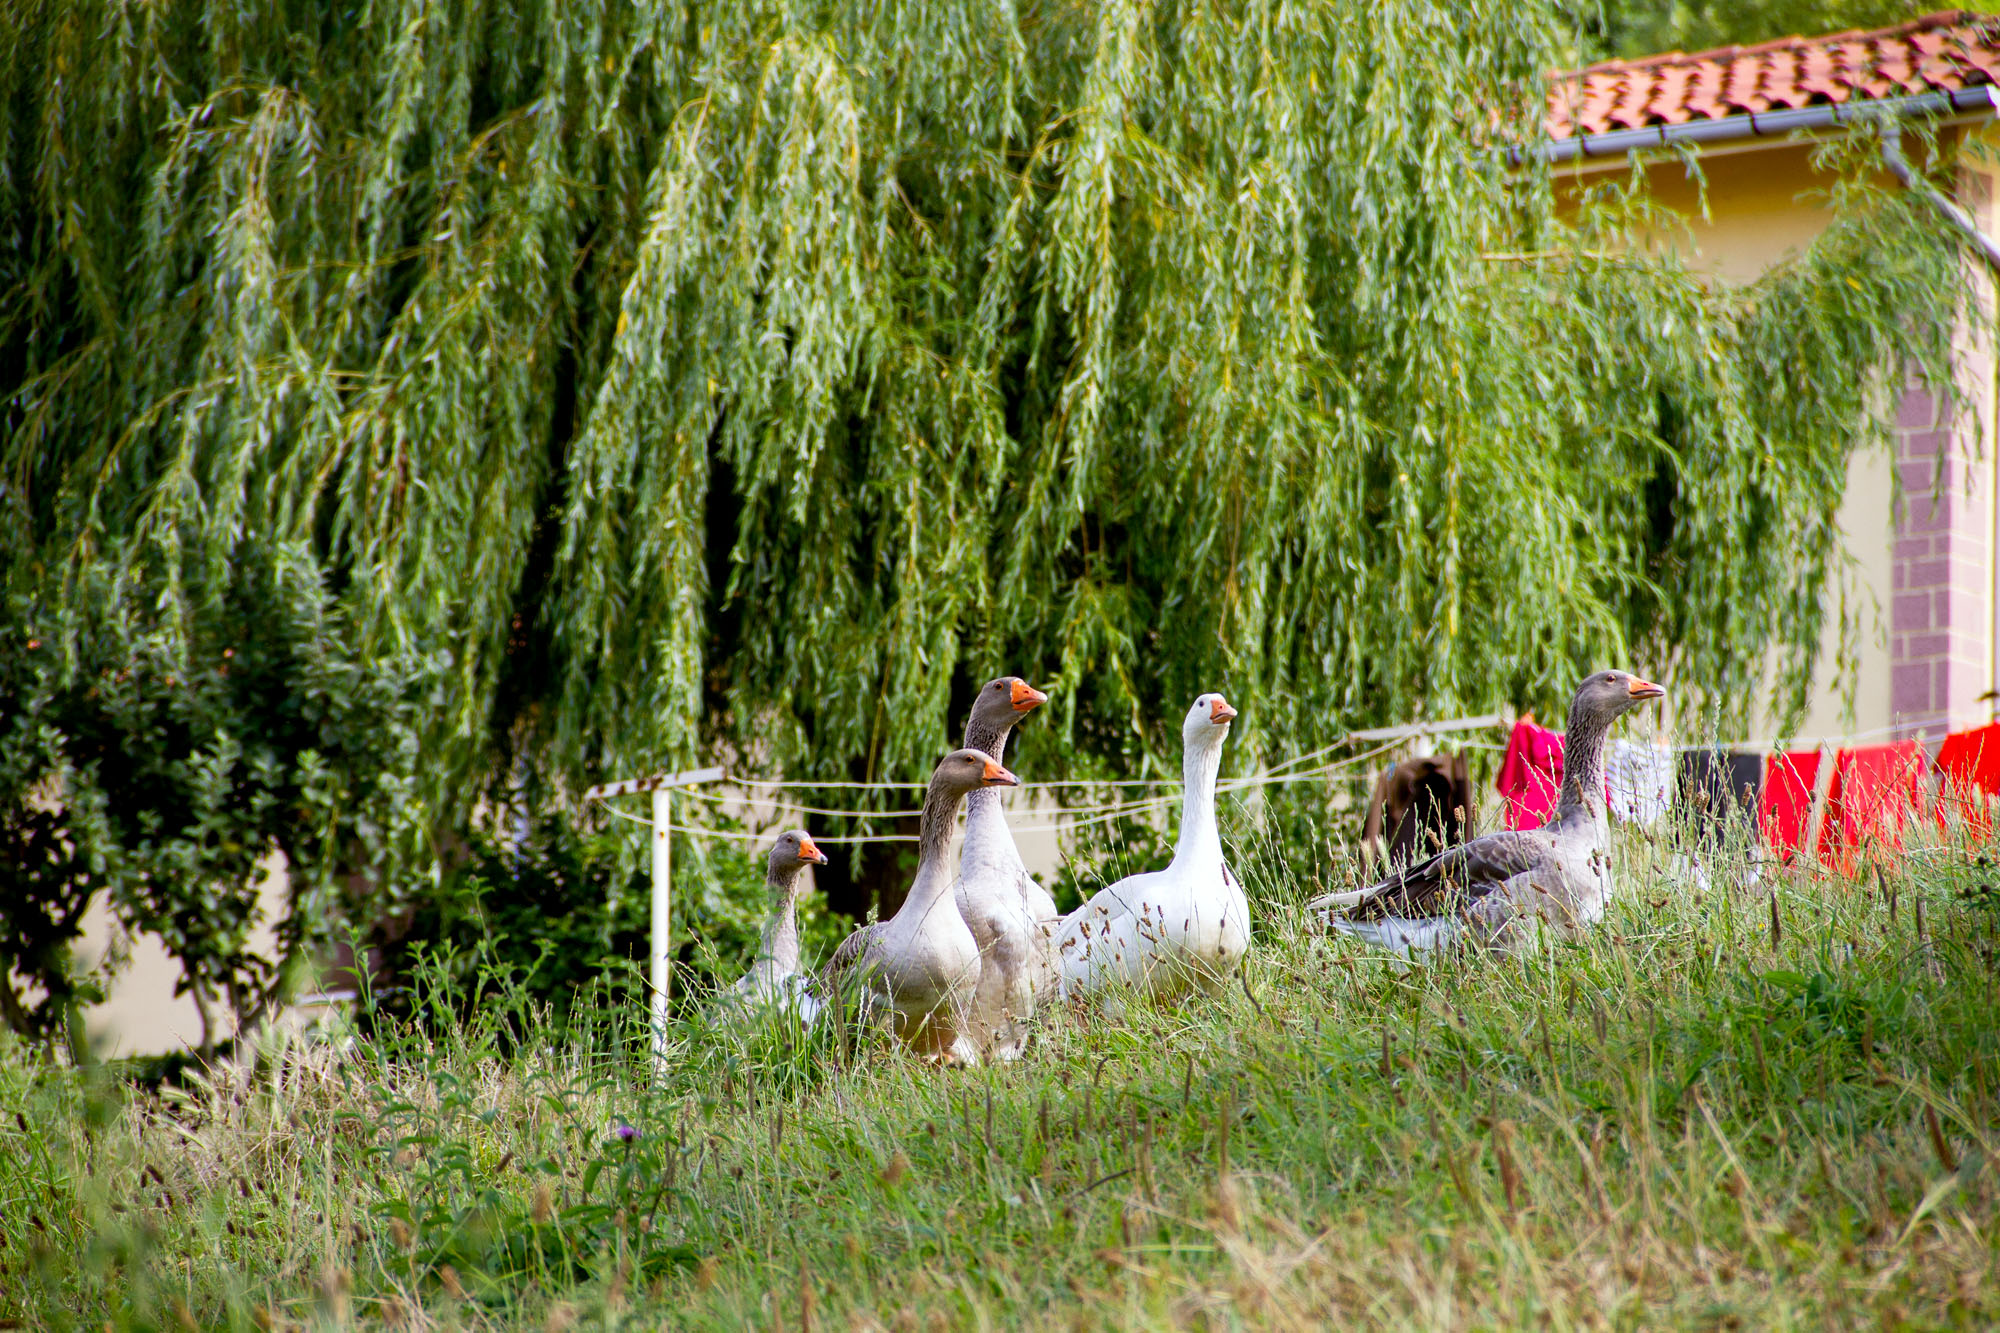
x,y
1758,204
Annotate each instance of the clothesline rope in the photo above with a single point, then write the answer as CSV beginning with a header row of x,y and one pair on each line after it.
x,y
1269,778
1067,819
1766,744
1076,817
855,839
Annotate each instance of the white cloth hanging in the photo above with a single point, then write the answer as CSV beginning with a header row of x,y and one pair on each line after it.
x,y
1639,780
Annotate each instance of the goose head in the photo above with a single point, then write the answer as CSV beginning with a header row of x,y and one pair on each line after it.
x,y
1608,695
1003,702
1207,723
793,850
964,771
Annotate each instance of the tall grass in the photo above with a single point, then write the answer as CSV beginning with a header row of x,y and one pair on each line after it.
x,y
1758,1107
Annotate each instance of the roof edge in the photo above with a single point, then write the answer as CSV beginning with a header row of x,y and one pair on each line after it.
x,y
1936,19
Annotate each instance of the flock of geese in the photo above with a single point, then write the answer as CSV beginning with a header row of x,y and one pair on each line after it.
x,y
961,968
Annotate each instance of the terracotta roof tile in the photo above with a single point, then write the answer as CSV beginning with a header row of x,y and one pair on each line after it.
x,y
1744,73
1781,80
1705,97
1669,101
1628,111
1945,51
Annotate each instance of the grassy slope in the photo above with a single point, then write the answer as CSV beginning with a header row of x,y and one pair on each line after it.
x,y
1679,1123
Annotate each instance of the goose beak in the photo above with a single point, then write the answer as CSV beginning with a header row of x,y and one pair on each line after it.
x,y
809,851
997,776
1646,689
1027,698
1219,710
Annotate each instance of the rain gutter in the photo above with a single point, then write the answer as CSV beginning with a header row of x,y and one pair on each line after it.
x,y
1762,124
1885,113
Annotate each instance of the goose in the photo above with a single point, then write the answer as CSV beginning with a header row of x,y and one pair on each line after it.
x,y
1184,927
922,964
775,976
1488,890
1001,904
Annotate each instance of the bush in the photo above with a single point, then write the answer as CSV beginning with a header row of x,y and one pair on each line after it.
x,y
563,910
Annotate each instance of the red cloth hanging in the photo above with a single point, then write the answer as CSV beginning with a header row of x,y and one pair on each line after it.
x,y
1784,807
1874,791
1970,763
1531,773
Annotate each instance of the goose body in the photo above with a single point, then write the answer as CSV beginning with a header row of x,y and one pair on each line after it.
x,y
1182,928
994,892
774,978
1493,891
920,968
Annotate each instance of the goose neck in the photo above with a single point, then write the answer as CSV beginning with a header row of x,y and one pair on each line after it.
x,y
1583,763
780,944
1199,834
934,841
989,739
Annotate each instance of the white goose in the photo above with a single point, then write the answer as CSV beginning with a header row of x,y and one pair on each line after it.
x,y
995,894
1168,931
922,964
774,978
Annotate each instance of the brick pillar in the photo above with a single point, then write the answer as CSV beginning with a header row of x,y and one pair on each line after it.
x,y
1941,623
1941,648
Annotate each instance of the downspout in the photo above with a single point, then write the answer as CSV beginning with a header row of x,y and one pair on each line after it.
x,y
1899,167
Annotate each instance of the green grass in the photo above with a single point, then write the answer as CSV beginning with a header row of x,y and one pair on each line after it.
x,y
1684,1122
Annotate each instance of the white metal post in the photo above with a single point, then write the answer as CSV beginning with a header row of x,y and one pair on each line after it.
x,y
660,971
662,915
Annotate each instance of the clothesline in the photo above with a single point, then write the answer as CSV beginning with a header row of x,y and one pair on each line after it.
x,y
1767,744
786,784
851,839
1269,778
1067,819
1076,817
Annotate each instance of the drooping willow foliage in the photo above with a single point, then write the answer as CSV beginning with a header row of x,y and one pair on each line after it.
x,y
406,396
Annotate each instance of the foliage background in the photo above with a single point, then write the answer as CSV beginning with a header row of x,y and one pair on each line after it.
x,y
424,407
1622,29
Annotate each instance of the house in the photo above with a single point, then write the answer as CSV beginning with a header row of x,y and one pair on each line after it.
x,y
1752,116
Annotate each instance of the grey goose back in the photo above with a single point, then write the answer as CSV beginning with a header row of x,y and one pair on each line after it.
x,y
1491,891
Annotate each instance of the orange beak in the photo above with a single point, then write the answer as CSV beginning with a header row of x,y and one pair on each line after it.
x,y
997,776
1646,689
1219,710
809,850
1026,697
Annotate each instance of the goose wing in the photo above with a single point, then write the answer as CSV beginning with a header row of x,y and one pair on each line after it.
x,y
1445,882
851,951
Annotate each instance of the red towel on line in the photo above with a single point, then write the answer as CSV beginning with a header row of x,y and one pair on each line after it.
x,y
1970,763
1874,791
1784,808
1531,773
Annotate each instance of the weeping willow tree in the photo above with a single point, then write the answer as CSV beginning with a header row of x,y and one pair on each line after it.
x,y
411,400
